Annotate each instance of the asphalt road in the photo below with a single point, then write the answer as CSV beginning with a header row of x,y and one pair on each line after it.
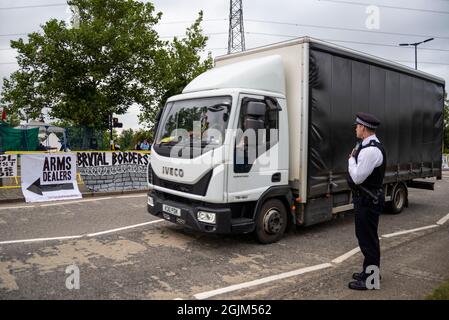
x,y
153,259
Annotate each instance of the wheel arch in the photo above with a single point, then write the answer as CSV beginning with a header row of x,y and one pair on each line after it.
x,y
282,193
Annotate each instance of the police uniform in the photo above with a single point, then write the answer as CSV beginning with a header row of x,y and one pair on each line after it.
x,y
366,173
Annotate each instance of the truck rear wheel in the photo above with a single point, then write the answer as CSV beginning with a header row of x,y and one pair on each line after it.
x,y
398,199
271,221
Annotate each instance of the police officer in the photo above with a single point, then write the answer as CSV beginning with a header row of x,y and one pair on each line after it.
x,y
366,172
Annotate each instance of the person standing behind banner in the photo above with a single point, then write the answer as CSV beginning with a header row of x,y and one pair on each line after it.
x,y
145,145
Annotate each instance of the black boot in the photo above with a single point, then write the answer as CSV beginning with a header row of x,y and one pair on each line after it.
x,y
359,276
357,285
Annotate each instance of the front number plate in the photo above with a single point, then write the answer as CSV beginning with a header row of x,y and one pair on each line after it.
x,y
171,210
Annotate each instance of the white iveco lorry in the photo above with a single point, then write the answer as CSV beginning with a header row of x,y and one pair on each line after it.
x,y
209,173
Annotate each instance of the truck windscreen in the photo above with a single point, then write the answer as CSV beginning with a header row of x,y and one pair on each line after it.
x,y
194,123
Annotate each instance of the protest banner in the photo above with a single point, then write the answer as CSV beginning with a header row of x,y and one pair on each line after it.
x,y
8,165
47,177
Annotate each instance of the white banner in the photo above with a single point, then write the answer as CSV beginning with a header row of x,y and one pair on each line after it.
x,y
8,165
47,177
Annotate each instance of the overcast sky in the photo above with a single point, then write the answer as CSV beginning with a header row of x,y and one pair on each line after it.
x,y
410,21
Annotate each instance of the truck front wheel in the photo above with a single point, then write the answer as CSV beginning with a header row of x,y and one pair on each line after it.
x,y
271,221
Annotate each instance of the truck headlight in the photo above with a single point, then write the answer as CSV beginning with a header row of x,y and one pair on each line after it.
x,y
208,217
150,201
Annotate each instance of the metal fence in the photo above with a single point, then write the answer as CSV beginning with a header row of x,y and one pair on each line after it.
x,y
83,138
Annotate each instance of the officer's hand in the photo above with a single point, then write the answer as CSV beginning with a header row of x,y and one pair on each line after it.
x,y
352,153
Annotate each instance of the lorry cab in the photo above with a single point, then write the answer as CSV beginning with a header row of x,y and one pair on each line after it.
x,y
221,147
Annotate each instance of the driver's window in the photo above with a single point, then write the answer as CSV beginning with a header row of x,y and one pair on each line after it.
x,y
258,131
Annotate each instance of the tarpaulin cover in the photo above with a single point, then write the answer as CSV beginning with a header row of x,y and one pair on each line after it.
x,y
410,108
12,139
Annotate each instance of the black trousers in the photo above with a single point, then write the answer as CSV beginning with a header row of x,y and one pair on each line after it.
x,y
366,224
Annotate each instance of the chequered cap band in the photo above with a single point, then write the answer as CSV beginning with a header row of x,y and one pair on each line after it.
x,y
366,124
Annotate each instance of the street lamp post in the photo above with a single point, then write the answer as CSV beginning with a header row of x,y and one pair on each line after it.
x,y
416,44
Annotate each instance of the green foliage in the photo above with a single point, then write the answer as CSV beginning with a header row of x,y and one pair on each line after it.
x,y
440,293
85,138
179,65
129,138
141,135
125,140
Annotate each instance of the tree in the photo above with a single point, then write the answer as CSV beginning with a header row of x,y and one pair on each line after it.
x,y
141,135
125,139
114,58
179,65
129,138
83,74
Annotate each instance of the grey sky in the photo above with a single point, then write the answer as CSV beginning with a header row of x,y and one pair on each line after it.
x,y
347,15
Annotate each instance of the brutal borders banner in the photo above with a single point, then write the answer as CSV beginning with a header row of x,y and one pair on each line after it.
x,y
109,163
102,159
106,171
8,165
47,177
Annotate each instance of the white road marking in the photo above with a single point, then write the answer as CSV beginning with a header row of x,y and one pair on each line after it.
x,y
16,207
53,204
40,239
443,220
409,231
208,294
81,236
132,196
354,251
346,256
71,202
123,228
93,199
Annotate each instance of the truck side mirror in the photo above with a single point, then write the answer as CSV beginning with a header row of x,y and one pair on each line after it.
x,y
158,118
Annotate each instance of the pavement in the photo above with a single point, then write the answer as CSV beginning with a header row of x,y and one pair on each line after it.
x,y
15,195
124,253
